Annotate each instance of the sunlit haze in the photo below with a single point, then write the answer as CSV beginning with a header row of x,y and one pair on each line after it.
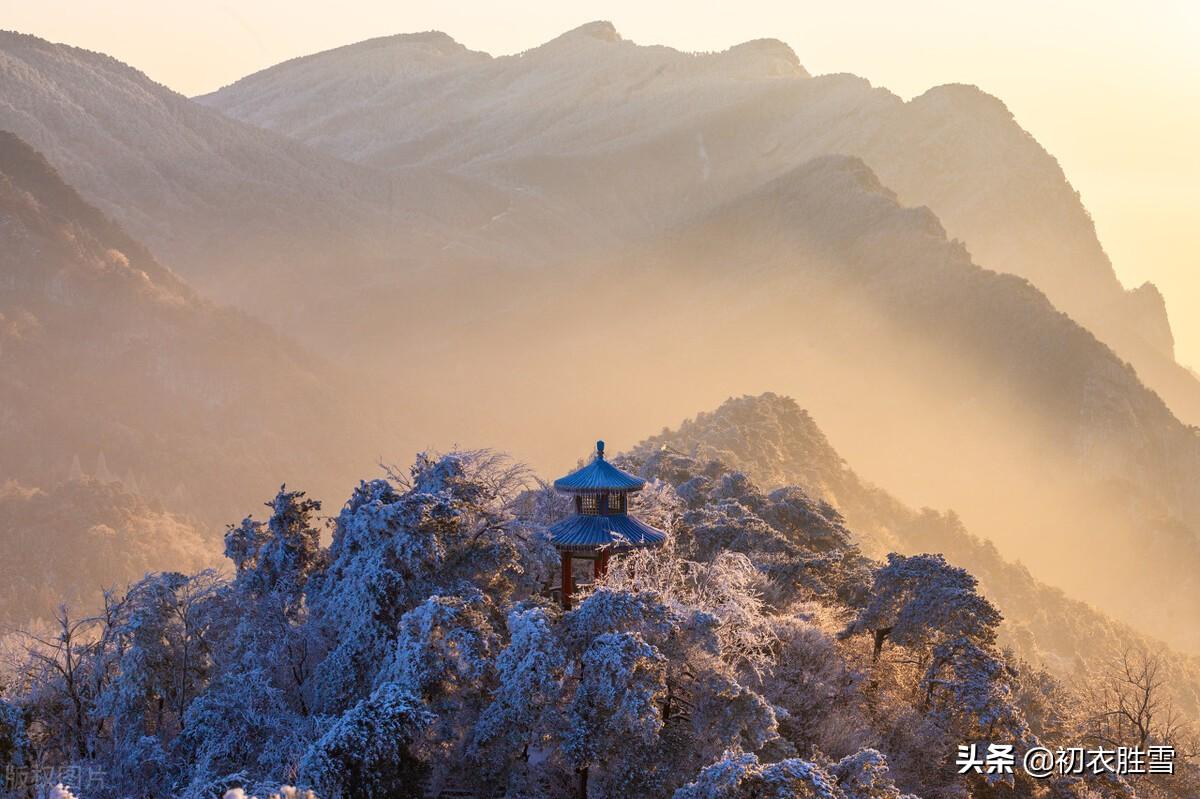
x,y
587,399
1110,89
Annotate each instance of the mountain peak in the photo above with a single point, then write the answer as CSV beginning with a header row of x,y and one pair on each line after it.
x,y
600,29
962,98
431,37
774,57
436,42
597,31
1146,311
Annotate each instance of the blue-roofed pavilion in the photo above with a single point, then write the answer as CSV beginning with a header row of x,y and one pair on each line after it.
x,y
600,523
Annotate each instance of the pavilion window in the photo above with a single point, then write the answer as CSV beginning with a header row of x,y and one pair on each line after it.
x,y
589,504
616,503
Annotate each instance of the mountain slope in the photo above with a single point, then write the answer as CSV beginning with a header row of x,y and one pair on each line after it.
x,y
953,385
776,443
66,544
956,385
633,269
250,217
106,355
637,137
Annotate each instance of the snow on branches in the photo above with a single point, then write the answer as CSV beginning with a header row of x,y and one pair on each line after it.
x,y
420,651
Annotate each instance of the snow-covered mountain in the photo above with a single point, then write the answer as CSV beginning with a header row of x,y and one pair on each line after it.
x,y
640,137
248,216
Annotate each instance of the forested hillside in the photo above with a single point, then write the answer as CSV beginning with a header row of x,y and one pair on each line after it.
x,y
774,441
758,654
65,545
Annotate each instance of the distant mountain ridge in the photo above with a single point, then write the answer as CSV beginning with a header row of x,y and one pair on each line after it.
x,y
250,217
637,136
68,543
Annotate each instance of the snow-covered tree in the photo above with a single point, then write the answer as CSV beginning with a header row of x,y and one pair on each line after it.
x,y
524,706
364,753
14,745
865,775
280,555
813,686
966,691
445,527
733,776
741,776
159,641
973,690
63,683
725,713
443,656
728,588
617,707
920,600
240,723
800,545
708,623
257,710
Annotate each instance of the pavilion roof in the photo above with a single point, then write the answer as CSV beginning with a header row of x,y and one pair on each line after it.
x,y
619,531
598,476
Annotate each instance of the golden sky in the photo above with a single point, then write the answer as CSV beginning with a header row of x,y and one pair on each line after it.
x,y
1111,89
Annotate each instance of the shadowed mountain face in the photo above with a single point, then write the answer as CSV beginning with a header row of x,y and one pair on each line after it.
x,y
108,358
636,138
955,385
66,544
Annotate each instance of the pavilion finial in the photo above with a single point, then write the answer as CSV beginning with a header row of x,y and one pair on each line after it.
x,y
600,450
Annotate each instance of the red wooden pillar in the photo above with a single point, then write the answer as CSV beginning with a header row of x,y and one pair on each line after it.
x,y
600,565
568,581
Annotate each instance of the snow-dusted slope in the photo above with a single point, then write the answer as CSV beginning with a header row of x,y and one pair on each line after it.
x,y
639,137
424,99
342,84
247,215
